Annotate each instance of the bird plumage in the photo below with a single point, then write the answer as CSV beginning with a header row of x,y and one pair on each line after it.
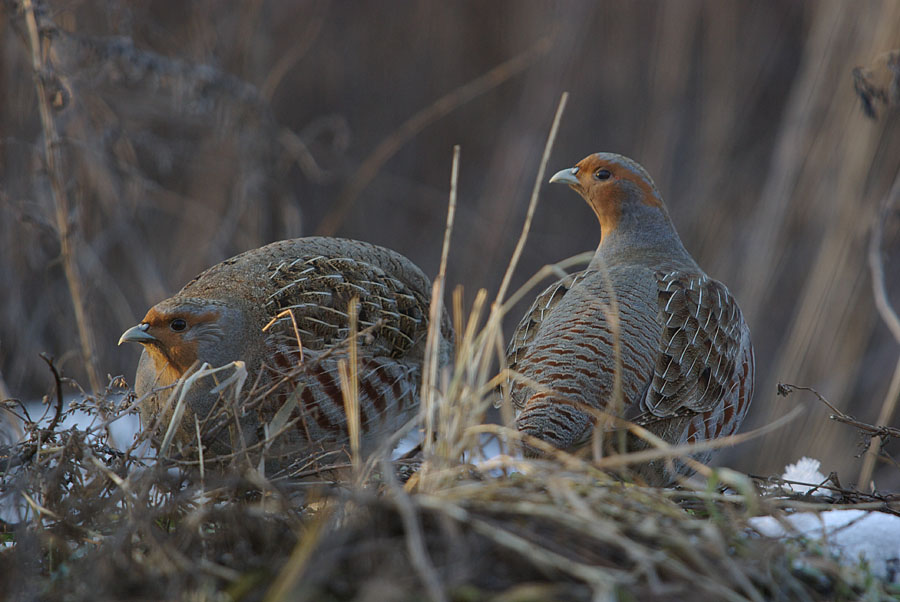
x,y
283,310
642,333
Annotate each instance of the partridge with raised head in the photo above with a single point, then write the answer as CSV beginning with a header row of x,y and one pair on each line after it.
x,y
283,310
642,334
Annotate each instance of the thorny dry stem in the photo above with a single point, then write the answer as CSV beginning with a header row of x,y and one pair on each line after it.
x,y
837,415
879,433
54,160
57,386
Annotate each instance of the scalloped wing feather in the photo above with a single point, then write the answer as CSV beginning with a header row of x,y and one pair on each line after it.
x,y
702,341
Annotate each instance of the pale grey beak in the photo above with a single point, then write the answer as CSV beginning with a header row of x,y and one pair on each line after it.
x,y
566,176
137,334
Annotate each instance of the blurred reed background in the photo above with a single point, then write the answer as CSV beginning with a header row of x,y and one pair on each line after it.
x,y
190,131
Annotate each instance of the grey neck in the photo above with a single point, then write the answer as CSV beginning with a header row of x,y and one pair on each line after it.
x,y
644,235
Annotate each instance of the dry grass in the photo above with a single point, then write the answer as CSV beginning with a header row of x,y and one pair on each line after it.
x,y
95,523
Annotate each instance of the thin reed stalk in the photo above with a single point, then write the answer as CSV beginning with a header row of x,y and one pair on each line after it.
x,y
493,330
532,203
436,310
348,371
889,316
415,124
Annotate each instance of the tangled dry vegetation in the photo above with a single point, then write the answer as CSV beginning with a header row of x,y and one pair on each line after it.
x,y
85,521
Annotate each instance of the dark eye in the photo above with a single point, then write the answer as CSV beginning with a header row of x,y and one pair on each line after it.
x,y
603,174
178,325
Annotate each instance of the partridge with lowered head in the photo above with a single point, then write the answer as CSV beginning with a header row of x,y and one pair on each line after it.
x,y
283,310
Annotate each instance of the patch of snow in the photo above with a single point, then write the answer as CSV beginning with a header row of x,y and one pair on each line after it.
x,y
851,535
122,431
14,508
407,443
805,470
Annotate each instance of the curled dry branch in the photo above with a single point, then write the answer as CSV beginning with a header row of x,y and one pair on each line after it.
x,y
59,395
878,433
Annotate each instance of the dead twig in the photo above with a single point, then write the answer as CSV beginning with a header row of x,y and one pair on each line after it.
x,y
837,415
59,395
54,161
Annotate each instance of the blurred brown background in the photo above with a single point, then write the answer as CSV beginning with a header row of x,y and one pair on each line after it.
x,y
194,130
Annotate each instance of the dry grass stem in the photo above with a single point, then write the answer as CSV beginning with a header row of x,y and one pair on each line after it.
x,y
349,375
532,203
289,576
415,540
432,355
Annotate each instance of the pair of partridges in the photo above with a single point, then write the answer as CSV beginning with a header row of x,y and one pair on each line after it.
x,y
642,334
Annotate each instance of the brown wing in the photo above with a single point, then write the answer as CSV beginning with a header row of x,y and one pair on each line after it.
x,y
318,290
316,277
534,317
703,340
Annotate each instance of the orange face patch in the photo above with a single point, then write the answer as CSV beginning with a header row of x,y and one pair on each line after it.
x,y
607,195
172,344
604,196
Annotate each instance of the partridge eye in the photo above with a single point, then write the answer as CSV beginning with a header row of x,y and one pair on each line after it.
x,y
178,325
603,174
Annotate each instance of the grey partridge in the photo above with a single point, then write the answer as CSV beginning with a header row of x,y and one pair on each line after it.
x,y
685,360
305,286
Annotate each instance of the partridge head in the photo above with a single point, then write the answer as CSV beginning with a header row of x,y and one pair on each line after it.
x,y
633,218
642,334
177,332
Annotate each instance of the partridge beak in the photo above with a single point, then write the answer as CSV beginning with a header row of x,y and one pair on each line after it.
x,y
566,176
137,334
